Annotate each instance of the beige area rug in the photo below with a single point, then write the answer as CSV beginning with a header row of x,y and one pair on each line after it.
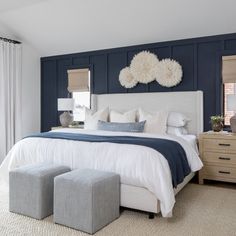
x,y
200,210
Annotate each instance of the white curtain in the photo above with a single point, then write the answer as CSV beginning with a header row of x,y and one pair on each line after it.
x,y
10,96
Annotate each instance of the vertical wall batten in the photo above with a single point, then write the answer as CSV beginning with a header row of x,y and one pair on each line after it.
x,y
195,59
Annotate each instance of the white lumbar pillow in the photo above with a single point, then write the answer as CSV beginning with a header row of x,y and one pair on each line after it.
x,y
155,123
91,119
177,119
127,117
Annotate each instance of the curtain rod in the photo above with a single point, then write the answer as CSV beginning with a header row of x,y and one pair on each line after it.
x,y
10,40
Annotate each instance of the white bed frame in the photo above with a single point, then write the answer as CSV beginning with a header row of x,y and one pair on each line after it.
x,y
189,103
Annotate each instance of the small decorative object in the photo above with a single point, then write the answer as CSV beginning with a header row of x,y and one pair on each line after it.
x,y
231,106
217,123
66,105
142,67
168,73
126,78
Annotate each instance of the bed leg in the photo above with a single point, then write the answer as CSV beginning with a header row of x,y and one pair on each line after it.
x,y
151,215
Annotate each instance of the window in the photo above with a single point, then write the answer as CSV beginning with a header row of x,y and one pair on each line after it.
x,y
82,100
229,83
79,86
229,88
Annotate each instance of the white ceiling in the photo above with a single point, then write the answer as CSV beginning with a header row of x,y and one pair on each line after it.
x,y
7,5
67,26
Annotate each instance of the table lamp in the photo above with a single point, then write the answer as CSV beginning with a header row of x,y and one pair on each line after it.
x,y
66,105
231,106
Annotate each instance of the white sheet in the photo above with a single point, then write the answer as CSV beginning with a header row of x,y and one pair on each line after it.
x,y
136,165
192,140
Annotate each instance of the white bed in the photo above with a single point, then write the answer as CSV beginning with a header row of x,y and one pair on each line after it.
x,y
188,103
145,185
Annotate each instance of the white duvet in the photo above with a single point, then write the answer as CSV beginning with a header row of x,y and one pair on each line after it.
x,y
137,165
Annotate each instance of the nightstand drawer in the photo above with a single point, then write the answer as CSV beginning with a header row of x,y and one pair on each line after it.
x,y
220,158
220,145
220,171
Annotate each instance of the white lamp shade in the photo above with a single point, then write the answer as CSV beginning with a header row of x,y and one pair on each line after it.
x,y
231,102
65,104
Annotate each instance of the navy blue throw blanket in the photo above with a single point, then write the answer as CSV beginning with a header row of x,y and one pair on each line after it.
x,y
171,150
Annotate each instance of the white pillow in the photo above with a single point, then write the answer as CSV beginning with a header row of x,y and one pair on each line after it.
x,y
178,131
127,117
91,120
177,119
155,123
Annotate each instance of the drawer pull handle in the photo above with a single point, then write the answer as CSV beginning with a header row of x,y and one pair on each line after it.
x,y
224,144
224,172
225,158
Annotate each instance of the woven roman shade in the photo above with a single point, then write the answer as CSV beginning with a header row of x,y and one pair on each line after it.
x,y
229,69
78,80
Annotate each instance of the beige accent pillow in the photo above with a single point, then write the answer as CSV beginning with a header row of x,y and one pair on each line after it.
x,y
91,119
155,123
127,117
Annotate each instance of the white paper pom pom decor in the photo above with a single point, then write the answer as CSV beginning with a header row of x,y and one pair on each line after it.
x,y
145,68
168,73
142,67
126,78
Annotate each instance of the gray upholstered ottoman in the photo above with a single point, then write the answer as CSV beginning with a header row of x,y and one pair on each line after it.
x,y
86,200
31,189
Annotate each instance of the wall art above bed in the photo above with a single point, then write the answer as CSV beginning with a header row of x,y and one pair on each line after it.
x,y
145,68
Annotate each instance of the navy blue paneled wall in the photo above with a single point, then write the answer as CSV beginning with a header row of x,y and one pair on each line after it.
x,y
199,57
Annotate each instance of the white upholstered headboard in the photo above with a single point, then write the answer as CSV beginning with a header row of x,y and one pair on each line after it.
x,y
189,103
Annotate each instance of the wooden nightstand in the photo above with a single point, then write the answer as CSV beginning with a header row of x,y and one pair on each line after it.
x,y
218,153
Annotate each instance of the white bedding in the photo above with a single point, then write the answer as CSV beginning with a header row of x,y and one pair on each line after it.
x,y
136,165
